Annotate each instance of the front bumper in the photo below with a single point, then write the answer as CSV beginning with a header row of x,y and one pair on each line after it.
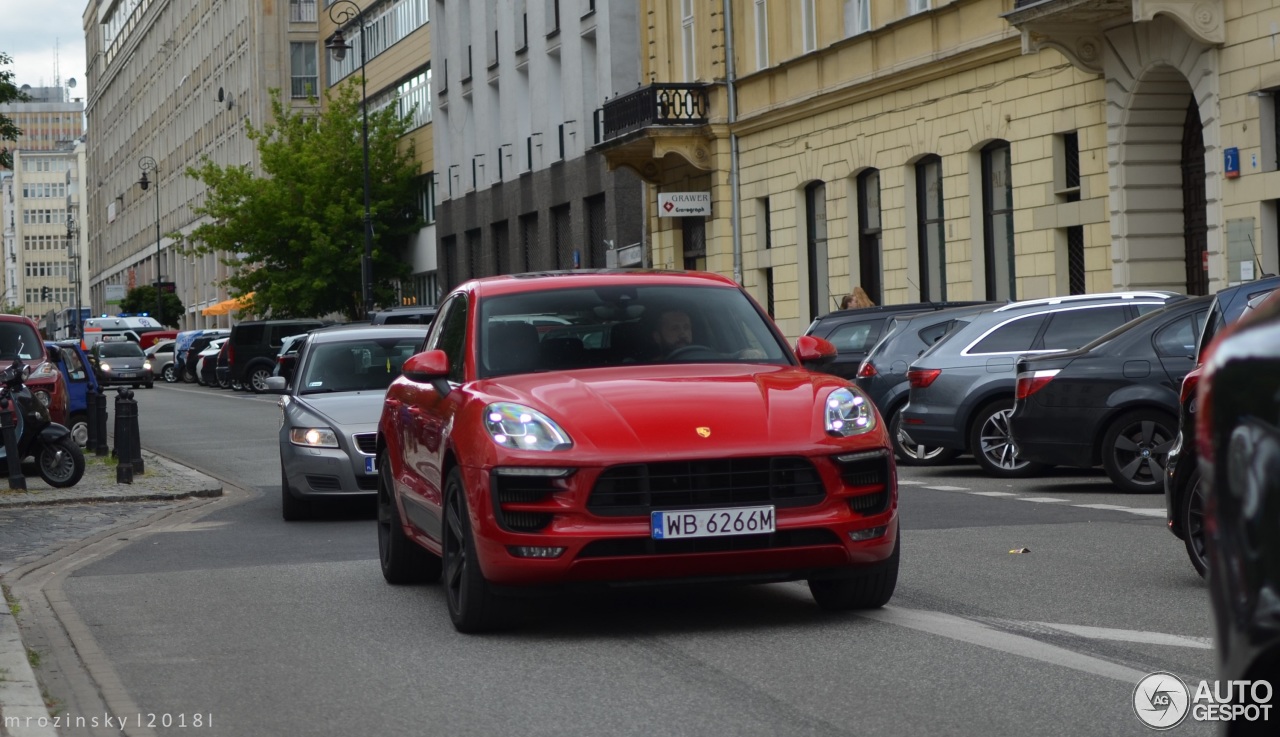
x,y
810,541
326,472
125,378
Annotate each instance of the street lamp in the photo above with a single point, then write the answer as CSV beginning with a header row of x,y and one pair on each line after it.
x,y
73,254
146,164
341,12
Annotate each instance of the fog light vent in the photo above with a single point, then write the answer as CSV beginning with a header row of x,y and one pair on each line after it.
x,y
530,551
870,533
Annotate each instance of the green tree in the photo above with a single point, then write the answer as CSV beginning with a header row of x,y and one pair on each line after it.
x,y
9,131
296,234
143,299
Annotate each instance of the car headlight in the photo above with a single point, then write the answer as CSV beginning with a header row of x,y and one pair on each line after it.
x,y
848,413
516,426
44,397
313,437
146,365
105,366
45,371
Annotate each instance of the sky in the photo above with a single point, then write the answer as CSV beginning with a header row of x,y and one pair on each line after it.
x,y
41,35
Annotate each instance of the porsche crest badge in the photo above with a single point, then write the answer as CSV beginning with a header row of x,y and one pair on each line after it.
x,y
704,432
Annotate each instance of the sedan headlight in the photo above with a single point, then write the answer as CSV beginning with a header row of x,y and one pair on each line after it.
x,y
516,426
848,413
313,437
146,365
105,366
43,396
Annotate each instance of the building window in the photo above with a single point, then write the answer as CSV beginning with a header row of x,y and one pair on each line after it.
x,y
815,200
528,241
688,40
929,230
475,264
427,197
412,98
768,292
596,256
869,227
997,216
917,6
501,248
302,11
1067,168
449,271
553,17
808,25
857,18
384,27
302,65
1075,260
693,241
765,231
762,34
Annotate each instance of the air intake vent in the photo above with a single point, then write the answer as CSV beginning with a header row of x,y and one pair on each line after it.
x,y
367,442
722,482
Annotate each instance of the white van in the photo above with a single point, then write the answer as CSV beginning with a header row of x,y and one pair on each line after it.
x,y
130,327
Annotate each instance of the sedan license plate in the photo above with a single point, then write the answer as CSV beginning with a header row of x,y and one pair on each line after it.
x,y
126,374
369,465
712,522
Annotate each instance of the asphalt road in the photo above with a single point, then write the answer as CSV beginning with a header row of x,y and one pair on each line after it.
x,y
288,629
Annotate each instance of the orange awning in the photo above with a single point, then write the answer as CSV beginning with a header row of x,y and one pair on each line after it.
x,y
227,305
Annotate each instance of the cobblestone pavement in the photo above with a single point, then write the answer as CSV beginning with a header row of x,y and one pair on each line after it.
x,y
30,533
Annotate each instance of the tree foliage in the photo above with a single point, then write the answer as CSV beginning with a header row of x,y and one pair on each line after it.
x,y
143,299
294,236
9,92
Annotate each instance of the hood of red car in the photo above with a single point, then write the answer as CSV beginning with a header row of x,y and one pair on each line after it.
x,y
679,409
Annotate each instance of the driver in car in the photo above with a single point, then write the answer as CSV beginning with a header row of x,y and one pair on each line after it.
x,y
673,331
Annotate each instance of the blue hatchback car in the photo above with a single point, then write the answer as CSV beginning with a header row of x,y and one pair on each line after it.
x,y
74,365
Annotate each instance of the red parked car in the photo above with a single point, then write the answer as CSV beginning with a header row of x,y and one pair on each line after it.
x,y
20,338
610,427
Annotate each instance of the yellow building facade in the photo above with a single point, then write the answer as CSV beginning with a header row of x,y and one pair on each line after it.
x,y
972,149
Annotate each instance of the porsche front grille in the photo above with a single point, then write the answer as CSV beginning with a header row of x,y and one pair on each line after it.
x,y
637,489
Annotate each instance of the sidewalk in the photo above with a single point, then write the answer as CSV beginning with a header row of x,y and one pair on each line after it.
x,y
22,708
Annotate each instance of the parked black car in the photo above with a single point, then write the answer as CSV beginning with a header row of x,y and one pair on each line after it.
x,y
254,345
1113,402
883,374
1238,436
189,358
962,388
853,332
406,315
1183,488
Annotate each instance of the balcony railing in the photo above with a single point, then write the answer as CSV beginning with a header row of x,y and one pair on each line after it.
x,y
302,11
657,104
303,87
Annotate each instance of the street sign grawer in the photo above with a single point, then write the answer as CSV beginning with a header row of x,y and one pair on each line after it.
x,y
684,204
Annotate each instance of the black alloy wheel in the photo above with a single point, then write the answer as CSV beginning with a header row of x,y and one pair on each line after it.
x,y
403,561
1192,512
61,463
472,605
1135,450
992,444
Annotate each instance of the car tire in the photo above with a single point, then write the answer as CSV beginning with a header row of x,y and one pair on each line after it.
x,y
223,383
170,374
910,454
403,561
79,427
868,590
1191,511
992,444
292,508
1135,450
473,607
257,381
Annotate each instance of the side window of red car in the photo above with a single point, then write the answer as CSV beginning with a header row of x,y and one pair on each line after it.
x,y
450,335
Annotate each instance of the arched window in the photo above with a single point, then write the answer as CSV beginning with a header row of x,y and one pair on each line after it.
x,y
929,230
869,266
997,220
815,201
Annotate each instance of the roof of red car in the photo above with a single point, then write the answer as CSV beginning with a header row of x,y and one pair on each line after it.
x,y
542,280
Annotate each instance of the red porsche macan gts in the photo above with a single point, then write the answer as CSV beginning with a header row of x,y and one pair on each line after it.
x,y
639,427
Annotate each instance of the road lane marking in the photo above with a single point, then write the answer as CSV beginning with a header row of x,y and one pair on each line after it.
x,y
1139,636
1046,499
1146,511
911,482
992,493
1112,507
976,633
948,488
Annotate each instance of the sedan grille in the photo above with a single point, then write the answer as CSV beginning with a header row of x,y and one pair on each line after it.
x,y
367,442
722,482
632,546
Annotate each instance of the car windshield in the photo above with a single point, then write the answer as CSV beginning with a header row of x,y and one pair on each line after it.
x,y
122,349
566,329
19,340
360,364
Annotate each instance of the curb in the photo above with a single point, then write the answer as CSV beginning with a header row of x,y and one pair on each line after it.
x,y
20,697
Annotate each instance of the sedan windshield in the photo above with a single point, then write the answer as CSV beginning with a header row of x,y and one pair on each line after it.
x,y
123,349
566,329
364,364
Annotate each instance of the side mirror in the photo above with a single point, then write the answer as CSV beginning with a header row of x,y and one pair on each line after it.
x,y
814,352
276,384
428,367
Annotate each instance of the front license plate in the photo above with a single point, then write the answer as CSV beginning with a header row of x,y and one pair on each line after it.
x,y
369,466
712,522
126,374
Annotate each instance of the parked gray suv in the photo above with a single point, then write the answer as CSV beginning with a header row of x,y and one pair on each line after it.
x,y
962,388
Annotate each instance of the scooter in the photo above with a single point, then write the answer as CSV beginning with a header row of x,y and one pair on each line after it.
x,y
59,458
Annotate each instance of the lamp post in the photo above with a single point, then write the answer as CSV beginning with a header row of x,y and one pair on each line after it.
x,y
146,164
73,254
341,12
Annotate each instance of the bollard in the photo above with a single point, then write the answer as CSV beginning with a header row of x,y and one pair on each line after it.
x,y
128,444
91,412
100,398
16,479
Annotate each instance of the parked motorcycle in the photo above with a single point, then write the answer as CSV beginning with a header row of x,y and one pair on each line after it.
x,y
59,458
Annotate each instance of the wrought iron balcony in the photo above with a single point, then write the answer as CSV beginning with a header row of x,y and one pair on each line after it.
x,y
657,104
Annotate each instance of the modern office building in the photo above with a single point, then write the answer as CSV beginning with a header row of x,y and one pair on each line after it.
x,y
957,149
40,198
48,120
518,86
